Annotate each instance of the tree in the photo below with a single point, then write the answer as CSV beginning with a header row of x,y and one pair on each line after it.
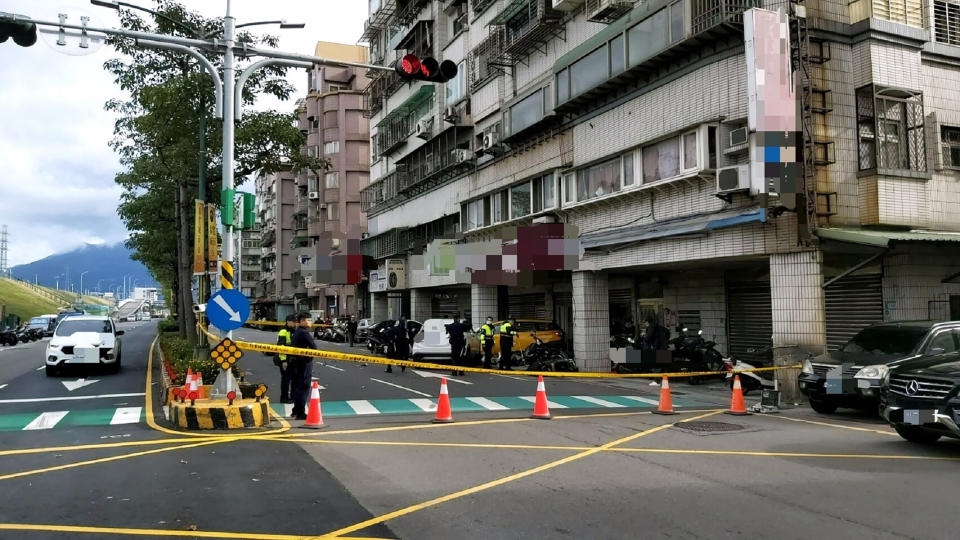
x,y
156,136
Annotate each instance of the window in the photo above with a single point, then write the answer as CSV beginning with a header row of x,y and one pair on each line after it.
x,y
689,151
312,151
648,38
549,192
335,87
563,86
569,187
661,160
457,86
477,214
946,22
908,12
332,180
618,55
628,169
950,142
520,200
890,133
598,180
312,182
944,342
331,147
527,112
333,212
589,71
712,147
459,18
499,203
676,21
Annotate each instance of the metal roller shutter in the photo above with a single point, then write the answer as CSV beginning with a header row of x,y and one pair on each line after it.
x,y
527,306
444,307
621,296
851,304
749,318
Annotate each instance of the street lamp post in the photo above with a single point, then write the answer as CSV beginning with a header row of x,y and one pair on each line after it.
x,y
80,292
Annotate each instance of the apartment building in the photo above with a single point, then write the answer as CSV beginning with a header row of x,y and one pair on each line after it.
x,y
631,121
276,290
249,266
327,210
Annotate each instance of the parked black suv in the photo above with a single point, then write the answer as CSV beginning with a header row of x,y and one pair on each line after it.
x,y
851,376
921,398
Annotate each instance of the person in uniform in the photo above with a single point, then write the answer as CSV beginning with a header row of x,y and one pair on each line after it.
x,y
284,338
302,367
486,342
456,330
507,332
400,341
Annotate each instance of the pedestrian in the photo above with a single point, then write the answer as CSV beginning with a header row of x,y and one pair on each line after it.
x,y
507,332
352,329
302,367
400,342
486,342
284,338
457,341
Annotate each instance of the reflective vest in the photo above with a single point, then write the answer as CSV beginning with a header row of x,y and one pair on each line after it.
x,y
486,331
283,338
506,329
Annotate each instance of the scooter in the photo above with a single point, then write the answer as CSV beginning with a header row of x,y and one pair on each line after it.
x,y
539,356
8,337
749,380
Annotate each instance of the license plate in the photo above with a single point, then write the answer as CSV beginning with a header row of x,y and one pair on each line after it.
x,y
914,417
86,355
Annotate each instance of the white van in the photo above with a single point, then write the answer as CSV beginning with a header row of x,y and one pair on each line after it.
x,y
432,341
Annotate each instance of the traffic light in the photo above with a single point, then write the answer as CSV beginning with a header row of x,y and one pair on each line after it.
x,y
412,67
23,32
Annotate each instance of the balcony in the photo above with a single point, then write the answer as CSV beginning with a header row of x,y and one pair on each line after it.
x,y
301,206
528,25
434,162
378,19
400,123
384,245
315,227
268,238
379,192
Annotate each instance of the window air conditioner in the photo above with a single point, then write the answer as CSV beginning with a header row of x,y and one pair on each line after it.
x,y
733,179
424,127
451,115
462,155
490,140
738,137
314,195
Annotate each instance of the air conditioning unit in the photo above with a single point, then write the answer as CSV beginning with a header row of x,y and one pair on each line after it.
x,y
462,155
544,219
733,179
490,140
566,5
739,137
424,128
607,11
313,195
323,206
396,275
451,115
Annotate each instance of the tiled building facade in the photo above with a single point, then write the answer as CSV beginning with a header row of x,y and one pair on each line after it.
x,y
614,117
276,198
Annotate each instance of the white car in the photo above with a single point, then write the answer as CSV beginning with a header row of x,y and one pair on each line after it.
x,y
432,341
91,340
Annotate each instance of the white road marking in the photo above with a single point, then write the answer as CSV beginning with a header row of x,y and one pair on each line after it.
x,y
79,383
126,415
426,405
334,367
287,409
41,368
2,386
438,376
68,398
598,401
417,392
362,406
551,404
515,378
166,413
46,420
488,404
642,400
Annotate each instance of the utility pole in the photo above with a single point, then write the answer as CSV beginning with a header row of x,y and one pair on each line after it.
x,y
4,269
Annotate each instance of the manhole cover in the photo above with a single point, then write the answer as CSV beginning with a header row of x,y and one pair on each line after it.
x,y
711,427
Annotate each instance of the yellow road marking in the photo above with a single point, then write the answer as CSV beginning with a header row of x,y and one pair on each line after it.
x,y
500,481
156,532
450,445
842,426
112,458
41,450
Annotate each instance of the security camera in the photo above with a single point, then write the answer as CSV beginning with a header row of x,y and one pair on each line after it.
x,y
199,308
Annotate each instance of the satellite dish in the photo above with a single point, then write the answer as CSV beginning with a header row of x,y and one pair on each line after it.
x,y
73,41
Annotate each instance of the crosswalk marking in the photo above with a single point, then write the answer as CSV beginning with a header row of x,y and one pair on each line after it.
x,y
362,406
598,401
487,404
426,405
126,415
641,400
287,409
551,404
46,420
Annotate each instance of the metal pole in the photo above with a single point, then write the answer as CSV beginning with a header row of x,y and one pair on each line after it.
x,y
228,114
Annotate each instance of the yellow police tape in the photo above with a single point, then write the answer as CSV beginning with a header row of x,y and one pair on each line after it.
x,y
280,323
332,355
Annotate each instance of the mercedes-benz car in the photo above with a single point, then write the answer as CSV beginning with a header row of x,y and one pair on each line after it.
x,y
89,340
921,398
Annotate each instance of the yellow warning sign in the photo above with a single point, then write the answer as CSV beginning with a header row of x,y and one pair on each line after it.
x,y
226,354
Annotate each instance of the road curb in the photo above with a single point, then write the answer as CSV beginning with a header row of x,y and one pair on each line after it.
x,y
245,413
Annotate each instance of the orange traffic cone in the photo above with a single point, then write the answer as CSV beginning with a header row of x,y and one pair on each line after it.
x,y
444,414
199,377
737,406
666,402
540,410
314,417
194,393
186,382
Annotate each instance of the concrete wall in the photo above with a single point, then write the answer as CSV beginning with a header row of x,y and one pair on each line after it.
x,y
912,279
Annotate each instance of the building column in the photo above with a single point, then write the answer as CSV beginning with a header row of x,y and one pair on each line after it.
x,y
483,303
591,321
799,324
421,304
394,305
378,307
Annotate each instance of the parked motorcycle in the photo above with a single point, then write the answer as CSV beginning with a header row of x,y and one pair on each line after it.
x,y
541,356
750,380
23,334
693,353
8,337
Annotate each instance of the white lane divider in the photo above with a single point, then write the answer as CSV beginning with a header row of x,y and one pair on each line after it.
x,y
46,420
69,398
40,368
417,392
598,401
2,386
362,406
334,367
642,400
426,405
551,404
126,415
488,404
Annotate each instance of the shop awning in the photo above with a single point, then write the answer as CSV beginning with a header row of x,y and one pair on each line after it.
x,y
881,238
676,227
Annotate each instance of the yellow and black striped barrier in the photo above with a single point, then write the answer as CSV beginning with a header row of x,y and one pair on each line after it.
x,y
362,358
220,415
226,274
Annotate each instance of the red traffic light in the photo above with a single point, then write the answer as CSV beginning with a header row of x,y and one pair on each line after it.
x,y
412,67
409,65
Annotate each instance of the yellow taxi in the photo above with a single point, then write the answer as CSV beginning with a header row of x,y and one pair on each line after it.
x,y
547,331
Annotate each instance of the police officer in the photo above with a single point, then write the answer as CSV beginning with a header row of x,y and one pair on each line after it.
x,y
302,367
507,332
457,341
486,341
284,337
400,343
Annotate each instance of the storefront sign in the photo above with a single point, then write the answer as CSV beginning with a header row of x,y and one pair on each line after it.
x,y
199,215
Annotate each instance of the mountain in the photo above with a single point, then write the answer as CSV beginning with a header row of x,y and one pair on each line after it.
x,y
105,265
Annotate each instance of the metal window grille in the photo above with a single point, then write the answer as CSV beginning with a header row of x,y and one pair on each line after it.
x,y
950,143
890,129
946,22
909,12
482,58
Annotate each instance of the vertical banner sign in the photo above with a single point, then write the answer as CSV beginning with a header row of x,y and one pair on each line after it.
x,y
200,214
213,253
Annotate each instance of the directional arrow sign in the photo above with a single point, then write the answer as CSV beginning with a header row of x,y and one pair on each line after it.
x,y
79,383
228,309
437,376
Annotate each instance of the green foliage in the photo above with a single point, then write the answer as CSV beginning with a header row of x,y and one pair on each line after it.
x,y
167,325
181,356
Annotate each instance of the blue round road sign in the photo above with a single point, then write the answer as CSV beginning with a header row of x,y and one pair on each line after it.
x,y
228,309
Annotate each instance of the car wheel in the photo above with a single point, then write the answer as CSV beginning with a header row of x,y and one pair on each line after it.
x,y
917,435
823,407
51,371
115,368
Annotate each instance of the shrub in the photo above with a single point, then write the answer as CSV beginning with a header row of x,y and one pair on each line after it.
x,y
180,356
168,325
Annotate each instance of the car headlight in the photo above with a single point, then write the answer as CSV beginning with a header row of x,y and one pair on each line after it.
x,y
872,372
885,380
807,367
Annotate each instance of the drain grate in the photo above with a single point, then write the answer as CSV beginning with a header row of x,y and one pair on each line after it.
x,y
709,427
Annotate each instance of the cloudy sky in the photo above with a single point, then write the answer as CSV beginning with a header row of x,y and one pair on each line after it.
x,y
56,181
